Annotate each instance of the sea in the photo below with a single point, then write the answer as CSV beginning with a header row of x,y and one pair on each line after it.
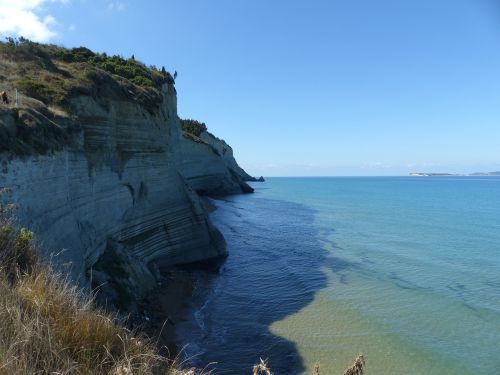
x,y
405,270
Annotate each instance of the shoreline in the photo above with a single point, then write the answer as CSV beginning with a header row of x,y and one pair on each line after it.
x,y
167,306
171,303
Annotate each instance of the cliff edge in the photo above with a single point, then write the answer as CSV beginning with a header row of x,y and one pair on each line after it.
x,y
209,164
93,155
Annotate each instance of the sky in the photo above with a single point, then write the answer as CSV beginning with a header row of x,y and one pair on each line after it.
x,y
310,88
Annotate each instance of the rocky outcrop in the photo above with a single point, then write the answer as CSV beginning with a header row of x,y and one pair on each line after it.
x,y
226,153
119,200
209,166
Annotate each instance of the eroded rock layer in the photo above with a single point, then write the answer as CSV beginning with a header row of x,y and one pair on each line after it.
x,y
209,166
119,200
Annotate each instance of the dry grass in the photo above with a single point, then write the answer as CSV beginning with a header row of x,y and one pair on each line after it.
x,y
357,367
261,368
48,326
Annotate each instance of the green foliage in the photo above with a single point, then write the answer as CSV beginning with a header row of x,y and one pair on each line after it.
x,y
141,81
17,253
130,69
193,127
24,239
80,54
24,249
38,88
23,47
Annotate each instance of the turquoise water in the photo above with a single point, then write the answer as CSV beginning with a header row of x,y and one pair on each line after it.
x,y
403,269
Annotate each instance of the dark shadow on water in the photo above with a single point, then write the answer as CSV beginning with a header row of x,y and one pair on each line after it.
x,y
338,264
274,270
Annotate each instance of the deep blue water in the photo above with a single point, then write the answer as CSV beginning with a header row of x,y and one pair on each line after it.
x,y
403,269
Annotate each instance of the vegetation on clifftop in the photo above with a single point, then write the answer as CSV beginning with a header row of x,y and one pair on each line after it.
x,y
51,73
47,78
131,69
193,127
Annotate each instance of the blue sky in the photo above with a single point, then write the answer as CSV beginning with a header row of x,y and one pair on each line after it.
x,y
320,87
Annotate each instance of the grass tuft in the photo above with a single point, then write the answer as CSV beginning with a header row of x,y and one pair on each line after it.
x,y
357,367
261,368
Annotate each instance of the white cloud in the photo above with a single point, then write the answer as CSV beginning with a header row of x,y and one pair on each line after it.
x,y
116,5
23,18
72,27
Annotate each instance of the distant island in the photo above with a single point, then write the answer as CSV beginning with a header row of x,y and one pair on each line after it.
x,y
497,173
426,174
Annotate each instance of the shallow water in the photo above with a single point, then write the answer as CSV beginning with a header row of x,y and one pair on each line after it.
x,y
404,269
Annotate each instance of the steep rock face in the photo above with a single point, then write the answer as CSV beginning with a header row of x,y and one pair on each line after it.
x,y
118,191
209,166
226,152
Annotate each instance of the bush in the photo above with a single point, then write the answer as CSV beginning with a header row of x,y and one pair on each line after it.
x,y
130,69
38,88
17,253
193,127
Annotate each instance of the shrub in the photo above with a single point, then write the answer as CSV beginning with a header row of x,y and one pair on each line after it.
x,y
17,253
193,127
38,88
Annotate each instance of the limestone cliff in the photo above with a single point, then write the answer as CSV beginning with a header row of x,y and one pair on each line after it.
x,y
209,166
108,182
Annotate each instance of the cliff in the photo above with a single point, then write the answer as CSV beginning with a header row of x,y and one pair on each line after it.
x,y
209,166
101,172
